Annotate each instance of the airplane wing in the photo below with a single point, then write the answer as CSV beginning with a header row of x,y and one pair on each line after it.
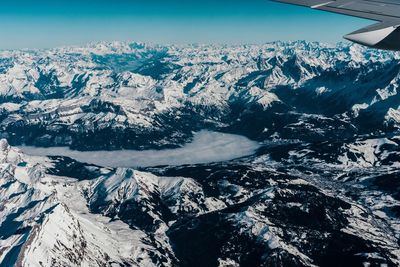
x,y
384,35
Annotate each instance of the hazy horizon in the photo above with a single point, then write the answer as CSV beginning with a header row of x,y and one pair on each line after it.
x,y
47,24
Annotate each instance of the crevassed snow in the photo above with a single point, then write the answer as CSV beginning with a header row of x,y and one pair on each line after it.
x,y
206,147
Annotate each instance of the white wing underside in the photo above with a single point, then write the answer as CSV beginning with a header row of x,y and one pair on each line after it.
x,y
384,34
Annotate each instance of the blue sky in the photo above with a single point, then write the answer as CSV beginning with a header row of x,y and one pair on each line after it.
x,y
45,23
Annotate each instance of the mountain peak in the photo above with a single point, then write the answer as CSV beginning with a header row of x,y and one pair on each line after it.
x,y
4,145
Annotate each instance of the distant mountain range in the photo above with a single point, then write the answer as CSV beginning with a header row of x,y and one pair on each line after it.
x,y
323,189
122,91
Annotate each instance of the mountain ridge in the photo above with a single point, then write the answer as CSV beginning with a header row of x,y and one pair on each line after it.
x,y
323,182
137,89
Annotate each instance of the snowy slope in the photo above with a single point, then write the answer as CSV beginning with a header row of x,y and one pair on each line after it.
x,y
59,221
325,181
116,217
118,89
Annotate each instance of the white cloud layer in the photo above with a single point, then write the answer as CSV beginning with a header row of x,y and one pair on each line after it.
x,y
206,147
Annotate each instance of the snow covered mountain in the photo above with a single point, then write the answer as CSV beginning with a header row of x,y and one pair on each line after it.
x,y
121,92
323,189
123,217
118,218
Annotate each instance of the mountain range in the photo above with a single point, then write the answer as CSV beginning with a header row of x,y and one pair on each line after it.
x,y
322,189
